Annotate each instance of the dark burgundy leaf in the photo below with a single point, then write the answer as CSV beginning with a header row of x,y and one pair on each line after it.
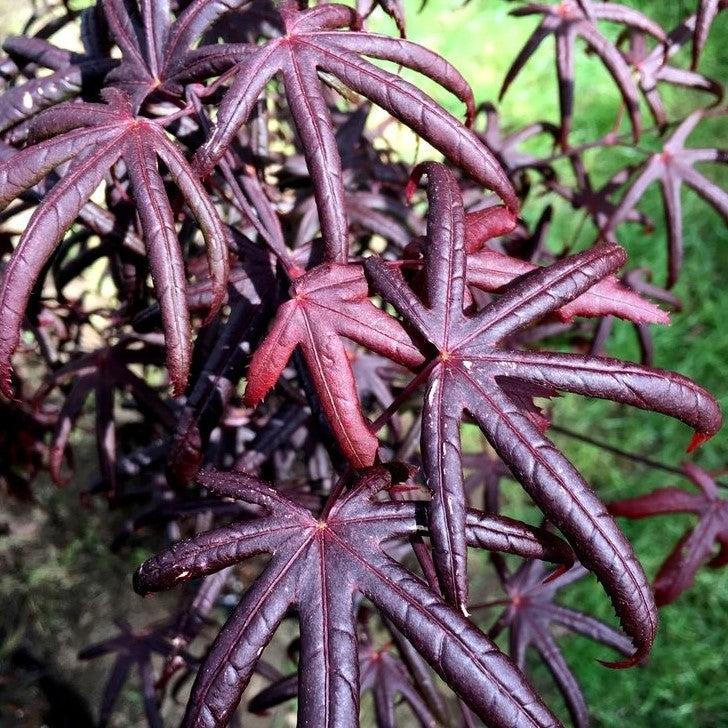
x,y
92,137
672,167
468,374
567,20
393,8
697,547
318,566
70,76
313,42
652,69
132,649
157,55
530,613
492,271
381,672
329,304
505,146
102,372
637,280
597,202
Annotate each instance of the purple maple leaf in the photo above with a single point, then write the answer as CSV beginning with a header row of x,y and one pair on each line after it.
x,y
91,138
318,565
330,303
672,167
313,41
652,69
696,547
474,370
530,613
567,20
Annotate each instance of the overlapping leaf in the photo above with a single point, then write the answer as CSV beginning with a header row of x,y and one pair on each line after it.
x,y
697,547
157,55
637,280
382,673
102,372
318,565
91,138
70,74
328,304
132,649
490,270
653,69
596,202
313,42
505,146
567,20
475,372
312,151
393,8
529,615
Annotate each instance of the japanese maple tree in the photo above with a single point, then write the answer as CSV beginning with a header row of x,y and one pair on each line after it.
x,y
310,384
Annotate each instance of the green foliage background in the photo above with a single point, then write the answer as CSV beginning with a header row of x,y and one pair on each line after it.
x,y
47,565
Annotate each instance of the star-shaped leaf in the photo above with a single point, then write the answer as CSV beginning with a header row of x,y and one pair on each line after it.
x,y
474,371
673,167
313,41
532,610
697,547
597,202
102,372
653,69
328,304
318,566
156,52
91,138
566,20
132,649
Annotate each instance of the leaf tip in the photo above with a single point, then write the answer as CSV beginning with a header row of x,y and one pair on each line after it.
x,y
697,440
6,383
138,582
663,317
560,570
410,189
637,659
618,664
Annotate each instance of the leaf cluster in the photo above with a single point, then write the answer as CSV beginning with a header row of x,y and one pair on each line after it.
x,y
210,245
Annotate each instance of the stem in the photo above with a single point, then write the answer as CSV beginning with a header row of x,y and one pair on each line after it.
x,y
488,605
239,196
252,215
622,140
641,459
402,397
576,151
336,491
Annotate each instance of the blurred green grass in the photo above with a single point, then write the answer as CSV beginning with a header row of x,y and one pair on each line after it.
x,y
681,685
